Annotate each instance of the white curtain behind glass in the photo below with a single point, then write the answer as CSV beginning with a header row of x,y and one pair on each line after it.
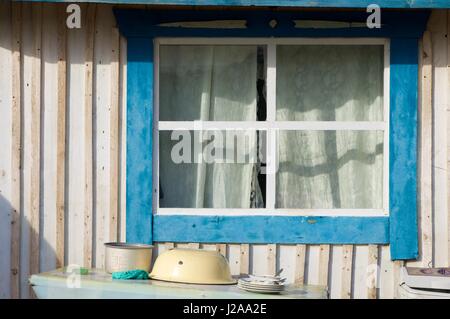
x,y
210,83
330,169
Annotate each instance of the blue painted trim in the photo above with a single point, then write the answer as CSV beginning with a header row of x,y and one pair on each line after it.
x,y
139,140
403,28
144,23
417,4
272,229
403,148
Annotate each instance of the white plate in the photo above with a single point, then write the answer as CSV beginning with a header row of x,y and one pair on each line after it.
x,y
257,282
261,291
262,288
266,278
244,288
260,285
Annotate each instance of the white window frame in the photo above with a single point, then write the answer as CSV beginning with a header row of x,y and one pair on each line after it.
x,y
270,124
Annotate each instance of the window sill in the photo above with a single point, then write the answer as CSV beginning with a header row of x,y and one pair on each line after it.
x,y
271,229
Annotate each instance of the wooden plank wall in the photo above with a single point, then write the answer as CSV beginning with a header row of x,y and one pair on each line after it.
x,y
62,159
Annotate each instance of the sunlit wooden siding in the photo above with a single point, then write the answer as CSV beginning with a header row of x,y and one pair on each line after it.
x,y
62,159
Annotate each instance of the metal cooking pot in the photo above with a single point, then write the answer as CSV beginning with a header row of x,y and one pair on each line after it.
x,y
124,257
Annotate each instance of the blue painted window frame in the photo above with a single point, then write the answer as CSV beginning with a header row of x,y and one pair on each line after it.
x,y
399,229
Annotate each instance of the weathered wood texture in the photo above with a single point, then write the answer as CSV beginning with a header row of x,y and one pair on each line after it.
x,y
438,27
62,165
61,138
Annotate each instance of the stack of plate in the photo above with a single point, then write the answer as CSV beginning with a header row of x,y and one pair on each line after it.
x,y
262,284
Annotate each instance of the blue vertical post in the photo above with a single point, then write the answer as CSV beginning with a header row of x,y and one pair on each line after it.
x,y
139,140
403,148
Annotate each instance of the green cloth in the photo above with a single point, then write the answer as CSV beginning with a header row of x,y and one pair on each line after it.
x,y
130,274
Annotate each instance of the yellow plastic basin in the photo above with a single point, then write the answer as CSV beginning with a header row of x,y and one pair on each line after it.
x,y
194,266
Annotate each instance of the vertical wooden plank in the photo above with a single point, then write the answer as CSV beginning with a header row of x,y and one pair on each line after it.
x,y
347,265
425,149
6,147
88,204
49,110
35,141
372,281
75,171
300,258
234,255
16,149
31,103
386,290
114,136
324,258
122,135
360,271
286,256
312,264
27,65
271,259
258,259
244,259
335,272
61,139
397,264
222,248
103,82
437,25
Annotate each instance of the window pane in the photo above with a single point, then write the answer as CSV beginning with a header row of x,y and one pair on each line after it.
x,y
330,82
208,82
330,169
210,169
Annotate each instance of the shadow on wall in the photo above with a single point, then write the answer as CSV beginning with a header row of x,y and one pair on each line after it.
x,y
16,259
32,29
24,248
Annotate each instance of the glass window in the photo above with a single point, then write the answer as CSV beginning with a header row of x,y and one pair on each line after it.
x,y
272,126
330,83
207,82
